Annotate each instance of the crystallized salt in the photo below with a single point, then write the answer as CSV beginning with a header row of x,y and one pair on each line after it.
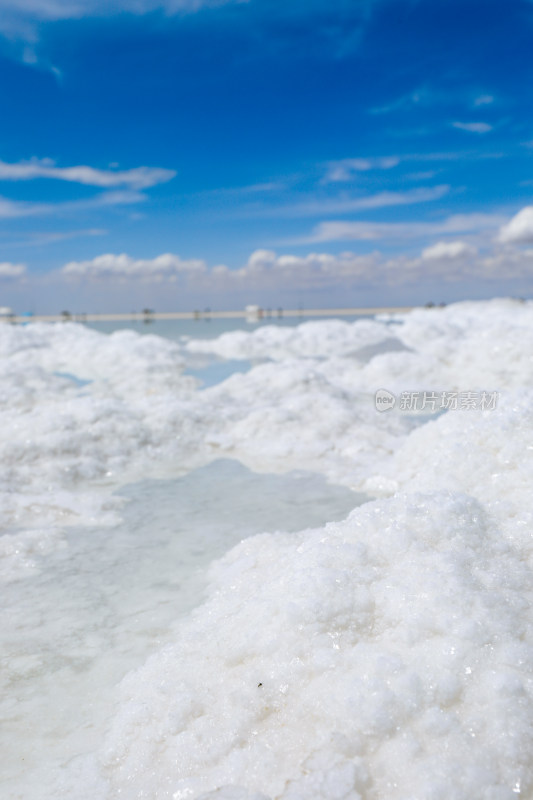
x,y
388,655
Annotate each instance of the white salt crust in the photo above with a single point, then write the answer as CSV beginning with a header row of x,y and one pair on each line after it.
x,y
386,656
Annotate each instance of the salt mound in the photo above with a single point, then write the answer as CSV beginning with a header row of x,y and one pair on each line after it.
x,y
388,656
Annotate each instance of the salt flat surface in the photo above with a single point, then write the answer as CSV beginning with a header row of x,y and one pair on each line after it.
x,y
111,595
387,654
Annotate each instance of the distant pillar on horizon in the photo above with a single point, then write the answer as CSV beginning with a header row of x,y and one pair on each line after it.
x,y
253,313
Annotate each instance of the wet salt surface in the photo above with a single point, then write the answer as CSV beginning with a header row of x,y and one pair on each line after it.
x,y
210,368
207,328
213,372
111,595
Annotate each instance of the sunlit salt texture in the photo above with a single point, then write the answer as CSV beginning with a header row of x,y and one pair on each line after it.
x,y
386,654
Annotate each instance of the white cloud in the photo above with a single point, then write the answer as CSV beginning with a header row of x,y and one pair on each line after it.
x,y
270,186
384,199
467,265
43,238
507,263
11,209
519,229
120,198
401,231
347,168
448,262
422,176
110,266
314,269
20,17
8,270
261,259
126,183
448,250
473,127
122,282
484,100
137,178
264,268
380,200
420,96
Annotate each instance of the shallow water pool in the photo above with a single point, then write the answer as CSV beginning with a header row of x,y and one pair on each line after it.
x,y
101,604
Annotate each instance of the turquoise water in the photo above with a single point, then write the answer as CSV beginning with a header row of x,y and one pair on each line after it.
x,y
208,369
175,329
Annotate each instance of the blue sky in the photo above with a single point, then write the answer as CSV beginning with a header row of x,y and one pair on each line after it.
x,y
180,153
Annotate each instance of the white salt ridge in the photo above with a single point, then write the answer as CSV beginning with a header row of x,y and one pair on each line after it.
x,y
57,433
326,417
386,656
484,337
393,649
309,340
141,415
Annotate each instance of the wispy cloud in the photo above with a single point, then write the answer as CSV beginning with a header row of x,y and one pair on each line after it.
x,y
43,238
473,127
259,188
484,100
317,208
417,97
254,189
21,17
119,198
347,169
422,176
402,231
426,96
137,178
13,209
